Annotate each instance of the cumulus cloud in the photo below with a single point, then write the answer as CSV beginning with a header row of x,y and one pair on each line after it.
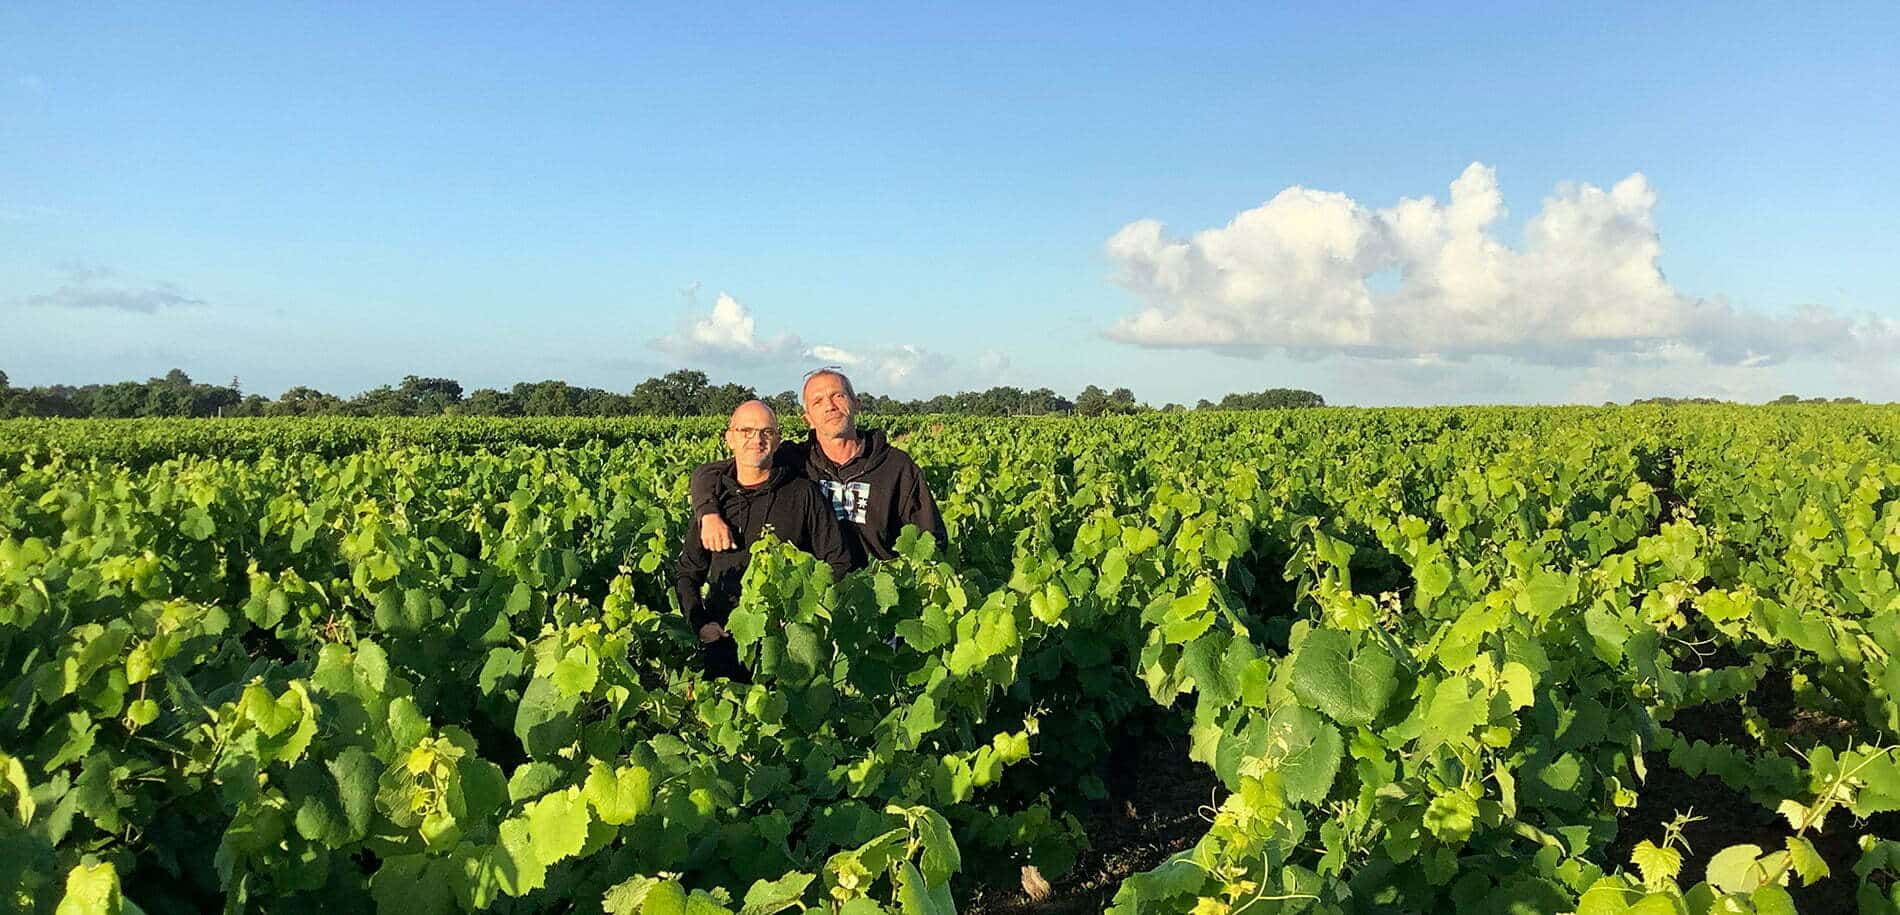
x,y
729,331
833,354
96,288
729,334
899,366
1672,369
1301,273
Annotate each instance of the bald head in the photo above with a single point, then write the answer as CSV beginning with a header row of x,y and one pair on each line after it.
x,y
752,435
751,414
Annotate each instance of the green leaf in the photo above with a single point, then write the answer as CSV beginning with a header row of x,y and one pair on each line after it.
x,y
91,889
1433,577
664,898
1660,865
921,719
13,778
503,665
628,896
941,858
545,719
768,897
1348,678
290,746
885,589
141,712
355,772
1543,593
519,600
1307,751
619,796
511,864
916,896
1519,685
557,825
1807,862
196,523
270,715
577,671
1456,708
702,903
1773,900
140,663
1206,661
1733,869
415,885
1114,570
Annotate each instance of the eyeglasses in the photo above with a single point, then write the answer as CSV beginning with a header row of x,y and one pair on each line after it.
x,y
747,433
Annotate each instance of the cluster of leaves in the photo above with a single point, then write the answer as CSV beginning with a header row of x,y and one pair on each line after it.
x,y
1435,657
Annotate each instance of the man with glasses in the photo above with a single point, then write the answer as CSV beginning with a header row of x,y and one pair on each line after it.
x,y
874,489
752,494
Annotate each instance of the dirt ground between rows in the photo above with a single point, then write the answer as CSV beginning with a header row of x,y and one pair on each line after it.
x,y
1159,814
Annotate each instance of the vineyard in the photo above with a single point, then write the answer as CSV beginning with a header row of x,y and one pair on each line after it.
x,y
1501,660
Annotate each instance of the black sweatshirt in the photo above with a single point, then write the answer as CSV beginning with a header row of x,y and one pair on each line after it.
x,y
873,495
798,513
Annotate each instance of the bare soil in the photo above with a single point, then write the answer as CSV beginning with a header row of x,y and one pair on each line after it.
x,y
1152,812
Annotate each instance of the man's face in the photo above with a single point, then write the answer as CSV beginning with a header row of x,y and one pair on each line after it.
x,y
752,435
829,407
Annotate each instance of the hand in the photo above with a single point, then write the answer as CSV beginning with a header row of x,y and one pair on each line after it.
x,y
711,632
714,534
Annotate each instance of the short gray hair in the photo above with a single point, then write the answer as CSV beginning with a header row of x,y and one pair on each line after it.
x,y
832,370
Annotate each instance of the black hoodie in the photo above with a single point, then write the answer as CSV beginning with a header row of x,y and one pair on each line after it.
x,y
798,513
872,495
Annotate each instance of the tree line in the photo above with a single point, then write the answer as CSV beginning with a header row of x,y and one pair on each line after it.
x,y
685,392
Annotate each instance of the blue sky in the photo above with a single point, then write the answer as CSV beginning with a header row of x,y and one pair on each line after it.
x,y
339,196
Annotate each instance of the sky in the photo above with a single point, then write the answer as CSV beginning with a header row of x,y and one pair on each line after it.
x,y
1384,203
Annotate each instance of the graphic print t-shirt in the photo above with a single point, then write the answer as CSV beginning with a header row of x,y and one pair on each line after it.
x,y
849,501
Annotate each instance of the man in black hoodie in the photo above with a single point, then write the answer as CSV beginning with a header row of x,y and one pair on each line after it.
x,y
754,494
874,488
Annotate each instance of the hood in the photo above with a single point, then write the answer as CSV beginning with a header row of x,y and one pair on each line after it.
x,y
776,479
875,448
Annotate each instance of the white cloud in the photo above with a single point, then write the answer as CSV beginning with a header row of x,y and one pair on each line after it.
x,y
88,287
833,354
1673,369
901,367
1295,272
728,332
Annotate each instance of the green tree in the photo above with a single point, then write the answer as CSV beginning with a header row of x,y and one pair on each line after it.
x,y
546,398
677,393
785,403
380,401
430,396
721,400
304,401
1093,401
1271,399
596,402
490,402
